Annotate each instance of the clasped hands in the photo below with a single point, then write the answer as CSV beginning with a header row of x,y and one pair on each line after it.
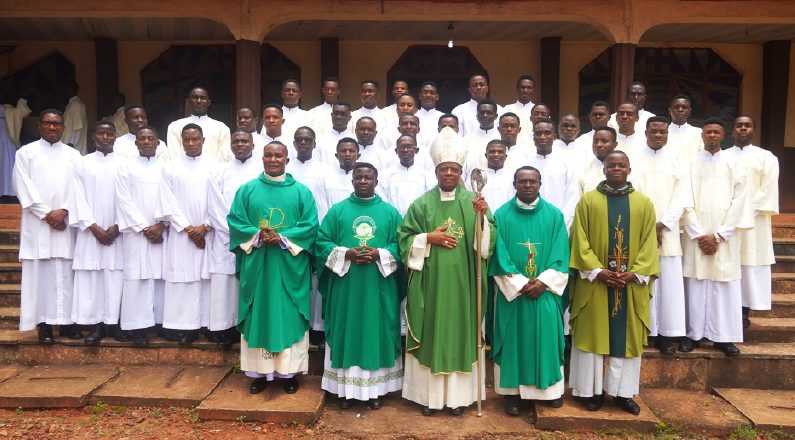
x,y
268,235
196,235
362,255
56,219
533,289
616,280
708,244
154,233
105,236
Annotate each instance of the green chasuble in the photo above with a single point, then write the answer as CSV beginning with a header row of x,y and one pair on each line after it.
x,y
273,306
361,308
614,230
528,333
441,306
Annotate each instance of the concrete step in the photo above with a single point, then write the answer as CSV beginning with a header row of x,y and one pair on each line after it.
x,y
783,282
10,215
11,273
9,318
9,236
768,410
770,330
767,365
784,263
10,295
9,253
784,246
24,348
783,307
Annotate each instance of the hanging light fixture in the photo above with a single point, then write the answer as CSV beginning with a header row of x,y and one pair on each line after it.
x,y
450,29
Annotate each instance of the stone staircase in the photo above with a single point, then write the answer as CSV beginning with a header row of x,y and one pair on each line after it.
x,y
766,365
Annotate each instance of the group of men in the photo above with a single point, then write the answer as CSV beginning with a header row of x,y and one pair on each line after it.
x,y
361,225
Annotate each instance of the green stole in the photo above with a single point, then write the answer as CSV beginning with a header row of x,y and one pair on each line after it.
x,y
361,308
273,302
618,221
441,302
528,333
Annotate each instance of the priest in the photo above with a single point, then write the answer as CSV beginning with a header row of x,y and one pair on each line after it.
x,y
530,268
437,237
357,260
614,251
272,228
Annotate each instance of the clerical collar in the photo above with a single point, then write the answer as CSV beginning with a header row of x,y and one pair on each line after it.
x,y
528,105
743,148
609,191
447,196
530,205
362,146
269,138
364,198
279,178
426,111
147,158
409,166
344,171
194,158
625,137
543,156
339,133
49,143
306,161
199,117
485,131
244,161
496,170
651,151
286,109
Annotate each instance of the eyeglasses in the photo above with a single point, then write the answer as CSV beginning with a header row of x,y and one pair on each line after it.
x,y
52,123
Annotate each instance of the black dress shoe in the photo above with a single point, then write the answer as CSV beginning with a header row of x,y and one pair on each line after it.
x,y
140,338
513,405
375,404
214,336
727,348
188,337
427,412
554,403
96,335
290,385
686,345
229,337
71,331
627,405
115,332
258,385
168,334
664,345
345,403
457,411
594,403
45,334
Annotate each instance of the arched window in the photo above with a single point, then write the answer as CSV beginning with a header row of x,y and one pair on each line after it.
x,y
449,68
712,84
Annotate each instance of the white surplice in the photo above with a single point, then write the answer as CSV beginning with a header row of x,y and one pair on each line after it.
x,y
756,244
117,118
42,176
216,138
664,178
186,187
628,144
98,268
138,206
378,115
499,187
712,282
429,123
640,125
326,148
558,183
576,154
339,185
10,127
591,175
223,284
319,118
75,124
523,111
402,185
294,118
686,139
125,148
467,114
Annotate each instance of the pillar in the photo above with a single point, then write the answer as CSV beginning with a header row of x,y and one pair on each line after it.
x,y
107,69
622,71
247,75
775,85
550,75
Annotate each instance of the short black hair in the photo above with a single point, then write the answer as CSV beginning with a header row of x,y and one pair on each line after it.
x,y
304,127
343,103
240,130
129,107
544,121
713,121
192,126
682,96
147,127
348,140
371,81
524,78
430,83
104,122
291,80
50,111
487,101
526,168
540,104
657,119
358,165
600,104
611,130
446,116
496,142
272,105
510,115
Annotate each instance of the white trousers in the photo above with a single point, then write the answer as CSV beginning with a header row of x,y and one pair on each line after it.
x,y
587,375
259,362
756,286
667,304
436,391
223,301
97,296
529,392
141,304
714,310
317,323
357,383
186,306
46,293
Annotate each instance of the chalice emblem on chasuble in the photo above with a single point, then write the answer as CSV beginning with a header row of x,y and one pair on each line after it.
x,y
531,267
364,229
274,220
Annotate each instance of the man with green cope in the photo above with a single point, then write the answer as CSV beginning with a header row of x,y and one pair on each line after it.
x,y
531,270
437,242
272,228
357,258
614,251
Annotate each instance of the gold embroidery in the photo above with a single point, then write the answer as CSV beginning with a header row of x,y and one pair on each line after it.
x,y
271,221
364,229
531,267
618,262
452,229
